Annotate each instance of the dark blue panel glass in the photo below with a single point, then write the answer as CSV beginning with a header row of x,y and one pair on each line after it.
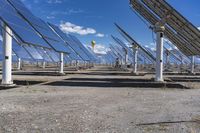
x,y
71,43
20,28
41,27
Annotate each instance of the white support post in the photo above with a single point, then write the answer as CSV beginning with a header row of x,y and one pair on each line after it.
x,y
61,71
159,52
181,65
7,57
19,64
126,58
43,64
37,64
135,59
77,65
122,62
192,64
167,64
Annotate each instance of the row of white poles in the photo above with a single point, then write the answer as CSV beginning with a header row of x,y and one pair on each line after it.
x,y
7,57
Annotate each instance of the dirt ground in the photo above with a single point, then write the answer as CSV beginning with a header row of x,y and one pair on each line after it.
x,y
86,102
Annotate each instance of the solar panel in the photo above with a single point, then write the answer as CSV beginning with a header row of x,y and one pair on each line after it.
x,y
113,54
77,53
68,59
171,54
54,55
90,56
108,58
20,28
180,40
118,41
44,54
78,49
133,42
34,53
130,51
41,27
117,52
92,52
20,51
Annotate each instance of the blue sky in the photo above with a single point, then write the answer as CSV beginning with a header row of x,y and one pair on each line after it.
x,y
94,19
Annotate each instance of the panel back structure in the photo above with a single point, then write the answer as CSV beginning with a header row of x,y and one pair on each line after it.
x,y
151,10
175,20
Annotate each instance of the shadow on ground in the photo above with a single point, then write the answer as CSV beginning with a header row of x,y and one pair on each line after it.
x,y
185,79
113,82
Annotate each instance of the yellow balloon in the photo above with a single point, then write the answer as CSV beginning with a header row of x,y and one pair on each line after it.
x,y
93,44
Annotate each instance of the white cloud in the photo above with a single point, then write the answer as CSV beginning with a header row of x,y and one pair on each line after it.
x,y
68,27
100,49
100,35
67,12
198,28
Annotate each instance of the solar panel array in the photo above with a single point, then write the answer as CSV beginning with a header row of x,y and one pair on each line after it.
x,y
36,40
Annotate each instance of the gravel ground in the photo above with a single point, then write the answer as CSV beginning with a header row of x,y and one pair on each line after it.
x,y
46,108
